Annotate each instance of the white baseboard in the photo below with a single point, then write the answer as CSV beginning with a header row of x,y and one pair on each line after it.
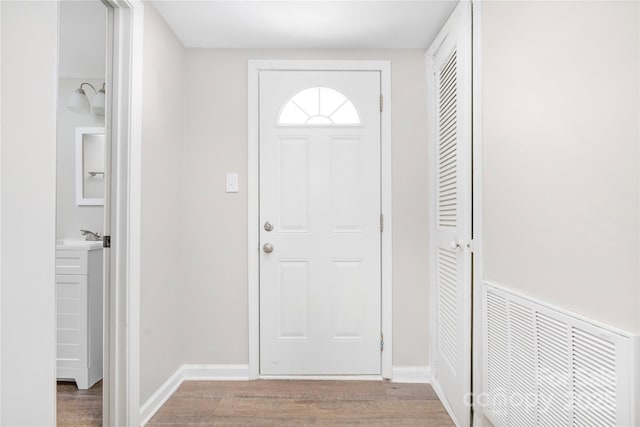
x,y
190,373
215,372
157,399
411,374
636,382
479,420
323,377
443,399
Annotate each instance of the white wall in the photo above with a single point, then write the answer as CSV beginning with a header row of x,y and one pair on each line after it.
x,y
27,200
561,156
215,223
70,218
162,308
82,38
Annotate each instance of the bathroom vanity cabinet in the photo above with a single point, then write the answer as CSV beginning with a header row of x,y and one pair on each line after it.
x,y
79,295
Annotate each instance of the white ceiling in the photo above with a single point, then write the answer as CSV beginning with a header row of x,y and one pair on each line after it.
x,y
305,24
82,39
257,24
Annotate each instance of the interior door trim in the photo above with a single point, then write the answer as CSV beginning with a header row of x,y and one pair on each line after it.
x,y
121,369
253,205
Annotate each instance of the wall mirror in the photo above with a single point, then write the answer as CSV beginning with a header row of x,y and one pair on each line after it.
x,y
90,166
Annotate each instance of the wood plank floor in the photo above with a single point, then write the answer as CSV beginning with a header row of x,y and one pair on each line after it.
x,y
300,403
79,408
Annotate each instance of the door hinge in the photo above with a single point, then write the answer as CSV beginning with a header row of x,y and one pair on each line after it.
x,y
381,342
106,241
381,102
381,223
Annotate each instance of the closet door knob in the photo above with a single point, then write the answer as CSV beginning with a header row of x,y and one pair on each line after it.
x,y
267,248
268,226
454,245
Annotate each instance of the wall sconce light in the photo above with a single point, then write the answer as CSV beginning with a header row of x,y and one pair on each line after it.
x,y
79,103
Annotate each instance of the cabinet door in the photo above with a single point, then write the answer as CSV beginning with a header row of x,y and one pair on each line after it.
x,y
71,321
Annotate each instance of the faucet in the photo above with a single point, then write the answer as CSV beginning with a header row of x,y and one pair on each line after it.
x,y
90,235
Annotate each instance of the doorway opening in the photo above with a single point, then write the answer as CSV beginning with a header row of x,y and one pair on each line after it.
x,y
106,177
82,147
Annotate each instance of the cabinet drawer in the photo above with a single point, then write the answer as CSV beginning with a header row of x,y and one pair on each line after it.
x,y
71,295
69,321
71,262
69,336
71,356
71,315
69,352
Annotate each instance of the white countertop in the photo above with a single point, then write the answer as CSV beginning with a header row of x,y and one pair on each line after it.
x,y
75,245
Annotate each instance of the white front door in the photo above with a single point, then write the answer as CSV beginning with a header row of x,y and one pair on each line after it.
x,y
451,59
320,280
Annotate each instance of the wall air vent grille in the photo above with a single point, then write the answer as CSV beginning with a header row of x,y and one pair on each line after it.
x,y
594,379
547,367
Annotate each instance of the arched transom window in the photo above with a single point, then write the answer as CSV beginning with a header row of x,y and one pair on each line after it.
x,y
319,106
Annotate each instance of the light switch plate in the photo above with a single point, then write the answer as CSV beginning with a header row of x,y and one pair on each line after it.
x,y
232,182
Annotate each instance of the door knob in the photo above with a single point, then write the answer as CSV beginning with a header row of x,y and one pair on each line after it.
x,y
268,226
267,248
454,245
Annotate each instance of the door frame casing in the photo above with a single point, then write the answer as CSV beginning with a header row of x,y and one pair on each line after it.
x,y
125,26
253,186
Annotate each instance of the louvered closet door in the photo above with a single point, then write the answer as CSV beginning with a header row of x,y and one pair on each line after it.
x,y
451,55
